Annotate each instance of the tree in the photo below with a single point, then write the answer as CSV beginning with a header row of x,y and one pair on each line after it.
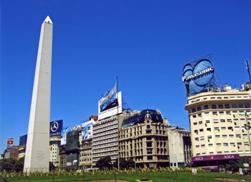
x,y
104,163
124,164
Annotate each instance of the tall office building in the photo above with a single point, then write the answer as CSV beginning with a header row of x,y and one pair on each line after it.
x,y
37,148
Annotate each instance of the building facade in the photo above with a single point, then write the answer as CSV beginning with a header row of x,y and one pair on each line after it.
x,y
180,149
105,136
217,121
55,150
85,156
143,138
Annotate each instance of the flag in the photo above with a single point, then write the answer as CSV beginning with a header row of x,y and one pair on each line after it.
x,y
109,98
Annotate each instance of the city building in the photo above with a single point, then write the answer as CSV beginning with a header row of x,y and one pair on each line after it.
x,y
143,138
219,125
105,138
11,152
62,157
55,150
85,156
179,144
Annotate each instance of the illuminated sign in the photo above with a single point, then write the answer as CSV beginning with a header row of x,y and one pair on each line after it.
x,y
56,127
198,77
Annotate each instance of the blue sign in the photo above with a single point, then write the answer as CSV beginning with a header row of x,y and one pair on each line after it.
x,y
56,127
198,77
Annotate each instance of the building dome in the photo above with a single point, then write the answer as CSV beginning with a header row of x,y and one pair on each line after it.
x,y
154,115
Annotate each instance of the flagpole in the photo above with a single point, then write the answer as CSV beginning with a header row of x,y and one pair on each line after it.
x,y
248,68
117,90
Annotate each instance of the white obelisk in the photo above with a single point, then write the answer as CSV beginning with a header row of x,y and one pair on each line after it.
x,y
37,147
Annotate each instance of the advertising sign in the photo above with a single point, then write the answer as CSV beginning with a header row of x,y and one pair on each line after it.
x,y
10,141
110,104
198,76
56,127
215,157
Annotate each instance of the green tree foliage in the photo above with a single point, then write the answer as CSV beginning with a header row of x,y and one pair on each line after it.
x,y
104,163
12,165
124,164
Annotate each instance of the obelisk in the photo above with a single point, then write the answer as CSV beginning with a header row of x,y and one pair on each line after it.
x,y
37,147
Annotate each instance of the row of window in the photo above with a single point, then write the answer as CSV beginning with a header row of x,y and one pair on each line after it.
x,y
220,98
225,144
221,106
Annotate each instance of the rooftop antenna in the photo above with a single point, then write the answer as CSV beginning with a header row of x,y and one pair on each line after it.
x,y
248,70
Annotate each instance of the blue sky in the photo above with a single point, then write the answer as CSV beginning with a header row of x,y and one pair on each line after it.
x,y
146,43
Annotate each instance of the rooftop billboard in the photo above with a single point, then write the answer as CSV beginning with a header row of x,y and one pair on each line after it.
x,y
198,76
56,127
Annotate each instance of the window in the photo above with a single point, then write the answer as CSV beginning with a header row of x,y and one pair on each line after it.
x,y
205,106
149,144
230,128
238,135
195,123
227,106
198,108
217,136
218,144
149,157
222,120
224,136
216,128
210,144
213,106
201,130
223,128
225,144
220,106
200,122
208,129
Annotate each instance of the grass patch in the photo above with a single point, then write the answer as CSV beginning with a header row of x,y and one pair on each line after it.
x,y
132,177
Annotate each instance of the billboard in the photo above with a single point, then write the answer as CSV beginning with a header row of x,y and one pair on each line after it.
x,y
87,129
10,141
56,127
198,76
110,104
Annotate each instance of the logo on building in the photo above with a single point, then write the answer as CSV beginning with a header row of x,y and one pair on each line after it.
x,y
56,127
198,76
